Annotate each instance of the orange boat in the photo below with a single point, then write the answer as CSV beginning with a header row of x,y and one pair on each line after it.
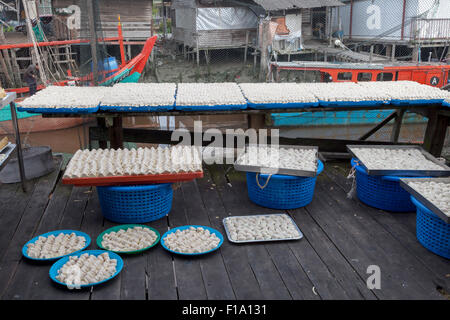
x,y
433,74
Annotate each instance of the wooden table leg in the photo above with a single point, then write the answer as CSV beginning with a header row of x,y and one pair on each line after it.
x,y
435,133
395,134
101,123
116,133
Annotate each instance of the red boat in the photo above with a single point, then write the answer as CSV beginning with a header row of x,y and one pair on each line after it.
x,y
432,74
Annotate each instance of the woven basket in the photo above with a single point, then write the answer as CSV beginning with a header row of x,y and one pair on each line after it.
x,y
281,191
135,204
382,192
432,232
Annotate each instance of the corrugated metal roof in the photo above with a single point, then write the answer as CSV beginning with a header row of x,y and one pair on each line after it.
x,y
292,4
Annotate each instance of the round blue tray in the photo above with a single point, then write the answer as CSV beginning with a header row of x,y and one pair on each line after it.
x,y
58,264
55,233
217,233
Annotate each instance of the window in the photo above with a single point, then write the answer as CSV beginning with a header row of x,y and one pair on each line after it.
x,y
385,76
364,76
346,76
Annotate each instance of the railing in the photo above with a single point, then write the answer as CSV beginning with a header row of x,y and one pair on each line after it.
x,y
430,29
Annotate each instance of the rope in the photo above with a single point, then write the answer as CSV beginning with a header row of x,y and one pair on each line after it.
x,y
352,175
267,181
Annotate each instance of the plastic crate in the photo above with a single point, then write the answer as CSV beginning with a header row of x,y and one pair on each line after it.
x,y
382,192
282,191
432,232
135,204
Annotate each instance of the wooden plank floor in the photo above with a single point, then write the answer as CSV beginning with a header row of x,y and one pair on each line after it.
x,y
342,238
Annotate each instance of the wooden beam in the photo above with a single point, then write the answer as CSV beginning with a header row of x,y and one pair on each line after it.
x,y
369,133
435,133
395,134
165,137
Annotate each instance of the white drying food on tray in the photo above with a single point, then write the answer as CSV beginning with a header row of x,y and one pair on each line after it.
x,y
261,228
437,192
280,158
87,269
344,91
192,240
2,157
209,94
55,246
132,239
394,159
140,95
65,97
266,93
406,90
141,161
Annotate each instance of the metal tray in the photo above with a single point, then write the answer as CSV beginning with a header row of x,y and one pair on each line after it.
x,y
7,146
261,215
391,172
7,151
422,199
282,171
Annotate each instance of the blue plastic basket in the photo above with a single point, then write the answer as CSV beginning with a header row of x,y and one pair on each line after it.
x,y
432,232
382,192
446,104
282,191
219,107
292,105
135,204
351,103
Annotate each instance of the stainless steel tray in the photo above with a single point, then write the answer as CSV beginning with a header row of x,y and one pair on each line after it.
x,y
414,173
282,171
422,199
7,145
7,151
261,215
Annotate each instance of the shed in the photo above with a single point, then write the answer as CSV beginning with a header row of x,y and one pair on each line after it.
x,y
208,24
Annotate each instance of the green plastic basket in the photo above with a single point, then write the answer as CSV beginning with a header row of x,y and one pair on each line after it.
x,y
126,227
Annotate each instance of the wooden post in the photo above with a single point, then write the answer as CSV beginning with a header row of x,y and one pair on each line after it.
x,y
393,52
435,133
246,46
371,54
93,40
116,133
256,121
5,71
264,48
395,134
198,51
101,123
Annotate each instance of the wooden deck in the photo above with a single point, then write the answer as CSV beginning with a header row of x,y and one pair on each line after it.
x,y
342,238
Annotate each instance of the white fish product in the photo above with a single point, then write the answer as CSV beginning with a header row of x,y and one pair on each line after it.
x,y
87,269
209,94
141,161
132,239
438,193
192,240
261,228
140,95
55,246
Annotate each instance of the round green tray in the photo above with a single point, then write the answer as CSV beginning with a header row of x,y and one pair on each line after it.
x,y
125,227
